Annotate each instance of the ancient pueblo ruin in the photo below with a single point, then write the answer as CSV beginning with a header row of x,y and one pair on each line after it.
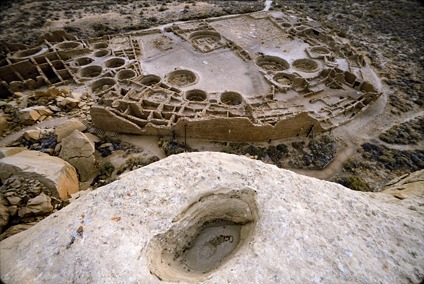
x,y
254,77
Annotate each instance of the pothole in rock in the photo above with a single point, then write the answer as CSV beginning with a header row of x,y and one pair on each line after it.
x,y
204,237
181,78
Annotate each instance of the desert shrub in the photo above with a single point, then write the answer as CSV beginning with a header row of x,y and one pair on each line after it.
x,y
392,159
106,170
354,183
410,132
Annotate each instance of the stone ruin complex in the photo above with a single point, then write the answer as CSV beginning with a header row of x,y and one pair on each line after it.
x,y
255,77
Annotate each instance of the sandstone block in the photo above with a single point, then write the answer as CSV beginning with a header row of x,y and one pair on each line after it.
x,y
54,173
219,218
67,127
78,150
9,151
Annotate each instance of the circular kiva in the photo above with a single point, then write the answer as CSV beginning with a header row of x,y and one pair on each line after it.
x,y
90,71
99,45
102,85
82,61
181,78
272,63
305,65
125,74
205,35
204,237
231,98
115,62
157,95
21,54
101,53
320,50
150,80
283,79
196,95
66,45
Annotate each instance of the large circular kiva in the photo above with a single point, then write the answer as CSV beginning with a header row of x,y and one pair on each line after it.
x,y
283,79
102,85
181,78
272,63
305,65
205,35
101,53
125,74
26,53
157,95
115,62
90,71
68,45
320,50
196,95
231,98
83,61
150,80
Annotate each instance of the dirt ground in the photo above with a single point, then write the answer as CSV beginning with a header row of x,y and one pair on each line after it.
x,y
388,31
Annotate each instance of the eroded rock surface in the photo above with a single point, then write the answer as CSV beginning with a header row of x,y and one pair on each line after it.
x,y
219,218
78,150
58,176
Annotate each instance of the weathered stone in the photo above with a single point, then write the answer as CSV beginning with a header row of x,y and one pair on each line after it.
x,y
32,114
218,218
4,212
3,124
32,134
55,174
67,127
9,151
39,205
16,229
78,150
69,102
14,200
54,108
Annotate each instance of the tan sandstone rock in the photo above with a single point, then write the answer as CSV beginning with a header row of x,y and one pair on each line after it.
x,y
30,115
9,151
54,173
219,218
67,127
38,205
4,124
78,150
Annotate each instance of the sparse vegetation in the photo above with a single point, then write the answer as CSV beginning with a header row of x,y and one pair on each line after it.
x,y
354,183
410,132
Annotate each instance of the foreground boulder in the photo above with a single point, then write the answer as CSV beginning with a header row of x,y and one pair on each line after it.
x,y
219,218
78,150
58,176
